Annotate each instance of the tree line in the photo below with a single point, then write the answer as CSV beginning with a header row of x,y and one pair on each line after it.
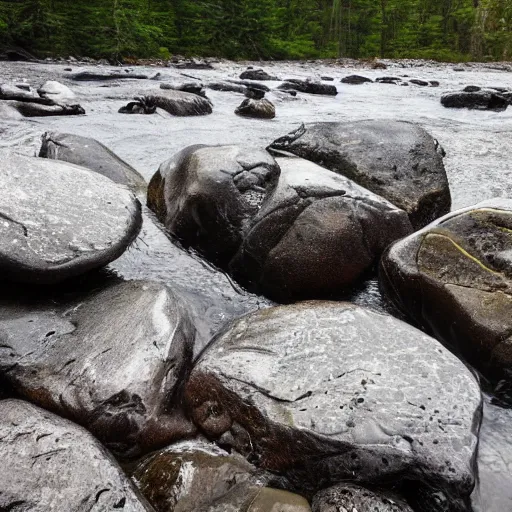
x,y
452,30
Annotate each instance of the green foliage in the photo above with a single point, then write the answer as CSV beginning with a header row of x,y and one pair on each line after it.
x,y
451,30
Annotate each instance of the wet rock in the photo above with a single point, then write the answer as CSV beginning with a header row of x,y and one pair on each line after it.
x,y
454,279
226,87
388,80
60,220
194,476
29,109
471,88
397,160
308,86
141,105
94,76
434,83
324,392
254,93
315,235
355,79
180,103
205,196
110,358
191,87
250,84
351,497
479,100
17,93
92,154
256,74
57,465
327,78
258,108
57,92
421,83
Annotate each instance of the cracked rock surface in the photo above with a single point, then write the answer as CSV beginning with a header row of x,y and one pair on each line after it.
x,y
92,154
112,359
397,160
348,497
53,464
179,103
325,392
454,279
44,238
315,234
206,195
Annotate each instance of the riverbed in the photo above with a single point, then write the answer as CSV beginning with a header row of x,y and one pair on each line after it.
x,y
478,160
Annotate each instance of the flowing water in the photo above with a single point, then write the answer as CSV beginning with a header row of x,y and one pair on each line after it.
x,y
478,161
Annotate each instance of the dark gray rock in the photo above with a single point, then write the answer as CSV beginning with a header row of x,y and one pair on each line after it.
x,y
327,78
254,93
93,76
191,87
141,105
325,392
60,220
421,83
308,86
256,74
227,87
30,109
205,196
179,103
352,497
355,80
479,100
57,92
388,80
194,476
434,83
92,154
250,83
316,235
397,160
454,279
471,88
55,465
110,358
257,108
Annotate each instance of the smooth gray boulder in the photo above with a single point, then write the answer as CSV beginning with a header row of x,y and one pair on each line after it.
x,y
60,220
454,279
17,93
479,100
256,108
206,195
57,92
179,103
315,235
308,86
324,392
352,497
92,154
111,358
53,465
397,160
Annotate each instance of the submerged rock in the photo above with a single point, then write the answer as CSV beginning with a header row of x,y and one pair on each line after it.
x,y
257,74
55,465
94,76
325,392
59,220
180,103
257,108
227,87
29,109
351,497
315,235
355,80
191,87
421,83
205,195
110,358
397,160
454,279
92,154
480,100
57,92
308,86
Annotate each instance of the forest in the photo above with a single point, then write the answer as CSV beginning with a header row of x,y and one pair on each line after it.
x,y
446,30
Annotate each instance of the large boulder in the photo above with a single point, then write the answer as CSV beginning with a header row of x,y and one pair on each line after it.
x,y
315,235
480,100
308,86
57,92
179,103
256,74
51,464
92,154
257,108
454,279
111,359
397,160
351,497
206,195
60,220
324,392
